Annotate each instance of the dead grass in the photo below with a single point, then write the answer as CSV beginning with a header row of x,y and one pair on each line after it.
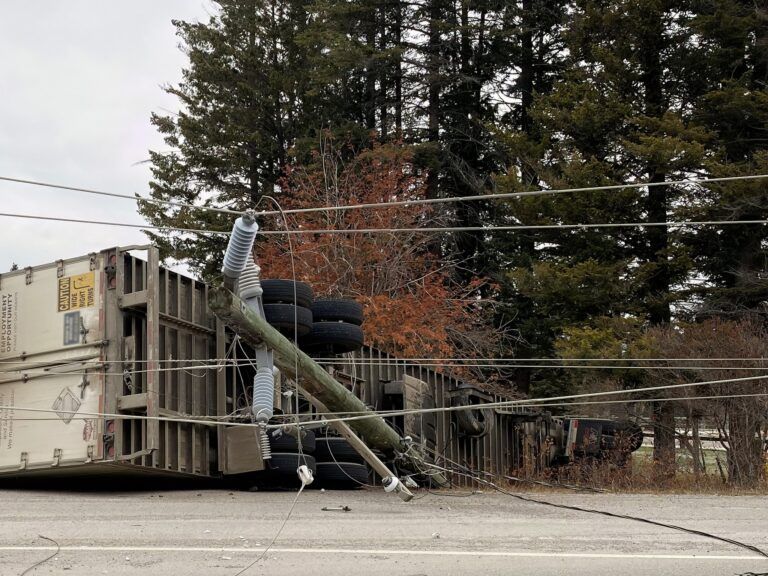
x,y
639,475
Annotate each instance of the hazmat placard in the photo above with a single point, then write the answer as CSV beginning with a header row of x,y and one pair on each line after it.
x,y
77,291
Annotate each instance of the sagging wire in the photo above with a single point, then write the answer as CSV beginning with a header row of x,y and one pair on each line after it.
x,y
532,401
135,198
574,487
392,361
545,404
501,490
394,203
338,465
63,370
507,195
220,420
296,395
44,560
277,534
390,231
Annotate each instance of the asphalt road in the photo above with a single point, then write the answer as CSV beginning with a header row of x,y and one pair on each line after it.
x,y
217,532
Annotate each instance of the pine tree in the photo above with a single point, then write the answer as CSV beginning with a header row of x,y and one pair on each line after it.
x,y
239,115
734,107
619,114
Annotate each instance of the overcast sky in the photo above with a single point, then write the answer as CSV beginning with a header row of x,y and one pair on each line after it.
x,y
78,81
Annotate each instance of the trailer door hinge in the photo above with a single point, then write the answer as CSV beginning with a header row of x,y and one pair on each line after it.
x,y
24,460
59,268
56,457
89,453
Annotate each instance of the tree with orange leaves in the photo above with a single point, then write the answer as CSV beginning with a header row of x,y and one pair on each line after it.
x,y
413,305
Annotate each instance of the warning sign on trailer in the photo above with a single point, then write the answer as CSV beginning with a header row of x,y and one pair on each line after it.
x,y
77,291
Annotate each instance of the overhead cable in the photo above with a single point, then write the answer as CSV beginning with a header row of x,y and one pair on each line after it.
x,y
506,195
585,403
220,420
393,203
110,223
134,198
62,370
515,227
424,230
463,471
528,401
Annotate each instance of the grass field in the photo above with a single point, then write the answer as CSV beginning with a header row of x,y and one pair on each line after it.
x,y
644,456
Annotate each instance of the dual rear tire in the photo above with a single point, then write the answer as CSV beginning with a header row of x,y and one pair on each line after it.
x,y
323,327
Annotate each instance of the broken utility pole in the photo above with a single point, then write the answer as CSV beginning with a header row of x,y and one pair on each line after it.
x,y
316,381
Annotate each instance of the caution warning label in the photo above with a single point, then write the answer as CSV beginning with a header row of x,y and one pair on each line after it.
x,y
77,291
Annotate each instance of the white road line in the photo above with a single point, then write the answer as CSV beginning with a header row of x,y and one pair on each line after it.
x,y
380,552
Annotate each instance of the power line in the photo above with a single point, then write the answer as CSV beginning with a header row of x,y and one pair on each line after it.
x,y
393,203
506,195
489,359
206,362
55,371
585,403
134,198
464,471
394,230
108,223
530,401
513,228
560,366
639,400
217,421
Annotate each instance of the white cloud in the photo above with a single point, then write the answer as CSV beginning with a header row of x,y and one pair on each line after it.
x,y
78,81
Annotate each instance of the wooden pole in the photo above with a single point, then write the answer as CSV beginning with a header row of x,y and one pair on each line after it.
x,y
313,378
362,448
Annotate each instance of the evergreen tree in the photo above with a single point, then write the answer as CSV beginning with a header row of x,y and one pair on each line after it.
x,y
734,106
240,101
618,115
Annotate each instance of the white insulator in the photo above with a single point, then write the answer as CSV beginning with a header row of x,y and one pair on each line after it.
x,y
249,285
305,475
240,245
263,394
390,483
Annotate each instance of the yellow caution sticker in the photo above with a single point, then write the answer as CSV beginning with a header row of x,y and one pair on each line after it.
x,y
77,291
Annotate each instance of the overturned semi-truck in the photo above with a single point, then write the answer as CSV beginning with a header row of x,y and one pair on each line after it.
x,y
111,363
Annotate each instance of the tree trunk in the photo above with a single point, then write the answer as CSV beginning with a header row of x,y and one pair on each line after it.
x,y
525,79
664,440
745,457
657,298
433,91
700,463
370,72
398,74
384,72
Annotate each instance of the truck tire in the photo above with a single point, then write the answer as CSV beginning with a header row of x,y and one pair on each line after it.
x,y
332,338
287,443
336,449
283,316
282,292
280,473
341,475
327,310
286,463
632,434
